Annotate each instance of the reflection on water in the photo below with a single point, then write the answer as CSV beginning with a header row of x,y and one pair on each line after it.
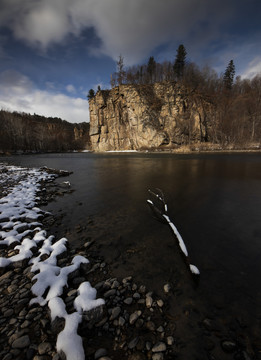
x,y
214,200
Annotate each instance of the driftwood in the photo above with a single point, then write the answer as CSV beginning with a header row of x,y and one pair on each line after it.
x,y
160,210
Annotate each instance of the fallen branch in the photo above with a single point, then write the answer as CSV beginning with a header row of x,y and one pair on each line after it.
x,y
161,212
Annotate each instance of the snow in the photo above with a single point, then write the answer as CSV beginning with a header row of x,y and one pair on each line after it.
x,y
17,206
194,269
180,240
69,341
86,300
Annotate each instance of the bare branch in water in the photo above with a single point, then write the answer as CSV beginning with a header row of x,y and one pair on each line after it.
x,y
161,213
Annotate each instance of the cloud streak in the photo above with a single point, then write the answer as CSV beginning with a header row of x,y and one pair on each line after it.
x,y
132,28
17,93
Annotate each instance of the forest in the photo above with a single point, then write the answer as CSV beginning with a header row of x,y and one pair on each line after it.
x,y
230,106
34,133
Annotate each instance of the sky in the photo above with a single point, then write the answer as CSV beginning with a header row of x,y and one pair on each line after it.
x,y
53,51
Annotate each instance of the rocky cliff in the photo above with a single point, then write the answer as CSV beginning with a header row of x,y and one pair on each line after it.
x,y
34,133
135,117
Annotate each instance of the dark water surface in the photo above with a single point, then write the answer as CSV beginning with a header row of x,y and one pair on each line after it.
x,y
213,199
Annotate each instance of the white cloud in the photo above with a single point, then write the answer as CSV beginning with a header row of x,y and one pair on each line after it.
x,y
131,28
17,93
71,89
253,68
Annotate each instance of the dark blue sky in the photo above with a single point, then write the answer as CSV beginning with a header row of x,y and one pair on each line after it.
x,y
53,51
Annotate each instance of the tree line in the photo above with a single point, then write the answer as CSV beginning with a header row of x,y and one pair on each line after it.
x,y
36,133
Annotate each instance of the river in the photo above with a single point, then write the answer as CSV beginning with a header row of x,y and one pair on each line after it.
x,y
213,199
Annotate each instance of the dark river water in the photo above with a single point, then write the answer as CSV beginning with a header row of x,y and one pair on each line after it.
x,y
213,199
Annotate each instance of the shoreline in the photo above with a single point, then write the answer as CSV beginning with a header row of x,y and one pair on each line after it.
x,y
182,150
134,319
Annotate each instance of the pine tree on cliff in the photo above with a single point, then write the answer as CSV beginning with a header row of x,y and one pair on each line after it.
x,y
151,68
180,60
91,94
229,75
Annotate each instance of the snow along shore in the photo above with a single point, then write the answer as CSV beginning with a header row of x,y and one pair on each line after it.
x,y
20,225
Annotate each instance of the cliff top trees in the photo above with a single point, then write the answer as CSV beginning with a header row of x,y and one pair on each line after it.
x,y
121,74
229,74
179,63
91,94
151,68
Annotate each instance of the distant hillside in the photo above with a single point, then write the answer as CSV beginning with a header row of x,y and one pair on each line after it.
x,y
34,133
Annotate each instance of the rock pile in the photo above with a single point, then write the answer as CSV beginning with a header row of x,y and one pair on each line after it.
x,y
131,324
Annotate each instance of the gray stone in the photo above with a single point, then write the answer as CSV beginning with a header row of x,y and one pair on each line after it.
x,y
134,316
159,347
121,321
100,353
160,303
8,313
150,325
149,301
21,342
167,288
170,340
44,348
157,356
115,313
25,324
8,356
136,296
109,293
128,301
160,329
12,288
132,344
228,346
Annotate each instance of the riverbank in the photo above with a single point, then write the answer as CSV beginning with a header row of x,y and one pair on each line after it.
x,y
135,322
200,148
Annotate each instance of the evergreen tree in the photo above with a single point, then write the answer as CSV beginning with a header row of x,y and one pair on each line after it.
x,y
151,68
91,94
180,62
229,75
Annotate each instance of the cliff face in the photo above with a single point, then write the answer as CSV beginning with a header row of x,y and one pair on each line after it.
x,y
33,133
133,117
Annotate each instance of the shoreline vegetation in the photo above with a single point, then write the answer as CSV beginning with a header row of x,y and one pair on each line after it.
x,y
134,323
194,149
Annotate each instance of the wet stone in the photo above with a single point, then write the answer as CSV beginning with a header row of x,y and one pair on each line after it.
x,y
44,348
170,340
134,316
159,347
228,346
158,356
100,353
8,313
149,301
150,326
166,288
128,301
115,313
109,293
133,343
21,343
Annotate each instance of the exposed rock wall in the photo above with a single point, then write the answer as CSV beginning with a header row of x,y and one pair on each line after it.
x,y
133,117
33,133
